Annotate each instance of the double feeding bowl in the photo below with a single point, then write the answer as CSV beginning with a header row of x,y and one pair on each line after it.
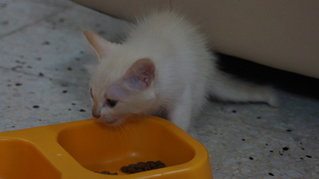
x,y
81,149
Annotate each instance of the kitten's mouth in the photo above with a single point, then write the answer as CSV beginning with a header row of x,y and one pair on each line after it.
x,y
111,121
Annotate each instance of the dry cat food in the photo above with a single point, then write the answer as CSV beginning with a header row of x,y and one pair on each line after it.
x,y
142,166
108,173
138,167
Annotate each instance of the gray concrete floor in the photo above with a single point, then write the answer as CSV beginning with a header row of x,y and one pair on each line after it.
x,y
43,81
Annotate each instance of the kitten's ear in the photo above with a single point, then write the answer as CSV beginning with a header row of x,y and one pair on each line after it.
x,y
101,46
138,77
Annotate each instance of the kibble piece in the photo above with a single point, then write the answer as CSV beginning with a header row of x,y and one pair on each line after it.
x,y
141,164
160,164
124,169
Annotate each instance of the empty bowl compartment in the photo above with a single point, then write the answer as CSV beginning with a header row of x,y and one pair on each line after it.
x,y
21,159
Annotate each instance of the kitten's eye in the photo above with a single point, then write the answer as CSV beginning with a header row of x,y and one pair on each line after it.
x,y
91,92
111,103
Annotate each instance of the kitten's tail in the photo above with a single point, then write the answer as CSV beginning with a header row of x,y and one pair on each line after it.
x,y
227,88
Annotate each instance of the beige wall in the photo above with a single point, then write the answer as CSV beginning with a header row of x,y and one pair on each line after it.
x,y
279,33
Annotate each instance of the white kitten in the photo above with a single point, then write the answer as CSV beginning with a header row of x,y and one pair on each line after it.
x,y
164,64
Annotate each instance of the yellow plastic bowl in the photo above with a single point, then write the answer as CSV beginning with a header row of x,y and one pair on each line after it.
x,y
80,149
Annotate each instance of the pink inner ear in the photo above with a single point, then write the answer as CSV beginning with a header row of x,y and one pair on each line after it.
x,y
138,77
141,74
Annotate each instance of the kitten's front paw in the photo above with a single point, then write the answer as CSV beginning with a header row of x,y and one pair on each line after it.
x,y
272,98
273,102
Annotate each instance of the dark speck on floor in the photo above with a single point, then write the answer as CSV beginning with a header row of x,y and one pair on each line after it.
x,y
61,20
18,84
82,110
5,22
3,5
285,148
20,62
308,156
46,43
251,158
271,174
36,106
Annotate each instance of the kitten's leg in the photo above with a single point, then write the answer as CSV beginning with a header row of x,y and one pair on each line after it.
x,y
181,113
227,88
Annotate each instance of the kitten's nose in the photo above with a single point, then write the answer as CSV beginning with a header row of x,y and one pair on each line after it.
x,y
96,113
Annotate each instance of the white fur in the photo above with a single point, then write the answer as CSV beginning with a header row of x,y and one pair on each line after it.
x,y
185,75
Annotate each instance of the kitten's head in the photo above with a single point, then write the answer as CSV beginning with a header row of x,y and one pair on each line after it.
x,y
119,86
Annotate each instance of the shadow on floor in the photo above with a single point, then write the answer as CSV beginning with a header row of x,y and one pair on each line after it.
x,y
260,74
